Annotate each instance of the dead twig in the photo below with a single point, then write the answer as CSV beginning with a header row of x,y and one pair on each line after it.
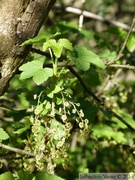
x,y
16,150
123,66
123,46
93,16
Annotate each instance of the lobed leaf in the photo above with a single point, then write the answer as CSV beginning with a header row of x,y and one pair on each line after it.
x,y
41,38
57,50
35,69
83,58
30,68
42,75
57,47
65,43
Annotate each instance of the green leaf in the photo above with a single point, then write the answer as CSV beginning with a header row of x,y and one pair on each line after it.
x,y
131,43
102,131
42,75
49,44
6,176
123,34
30,68
24,175
83,57
23,129
41,38
65,43
3,135
127,117
54,46
53,90
107,54
105,131
57,47
44,107
35,69
119,137
45,176
87,33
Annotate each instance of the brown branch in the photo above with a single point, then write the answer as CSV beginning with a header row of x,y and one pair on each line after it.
x,y
123,46
16,150
83,84
93,16
104,86
38,51
86,89
123,66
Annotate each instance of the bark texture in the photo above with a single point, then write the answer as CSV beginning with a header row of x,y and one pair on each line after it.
x,y
19,21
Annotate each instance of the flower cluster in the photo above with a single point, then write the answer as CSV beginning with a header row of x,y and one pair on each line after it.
x,y
52,124
78,115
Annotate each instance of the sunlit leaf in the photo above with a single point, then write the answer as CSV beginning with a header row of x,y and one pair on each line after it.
x,y
102,131
42,75
53,91
45,176
3,135
30,68
119,137
6,176
35,69
41,38
57,47
131,42
83,58
65,43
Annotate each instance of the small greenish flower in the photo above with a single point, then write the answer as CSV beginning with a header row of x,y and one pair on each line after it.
x,y
68,125
64,117
66,104
78,104
81,124
60,144
74,111
36,111
35,96
81,113
86,121
31,119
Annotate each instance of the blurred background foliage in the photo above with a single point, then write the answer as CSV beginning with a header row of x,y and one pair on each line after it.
x,y
111,145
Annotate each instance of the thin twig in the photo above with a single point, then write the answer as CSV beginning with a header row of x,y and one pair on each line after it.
x,y
123,66
38,51
98,99
104,86
19,151
93,16
123,46
83,84
81,17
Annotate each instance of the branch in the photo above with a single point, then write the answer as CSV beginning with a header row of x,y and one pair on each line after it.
x,y
38,51
19,21
123,46
123,66
19,151
97,99
83,84
93,16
